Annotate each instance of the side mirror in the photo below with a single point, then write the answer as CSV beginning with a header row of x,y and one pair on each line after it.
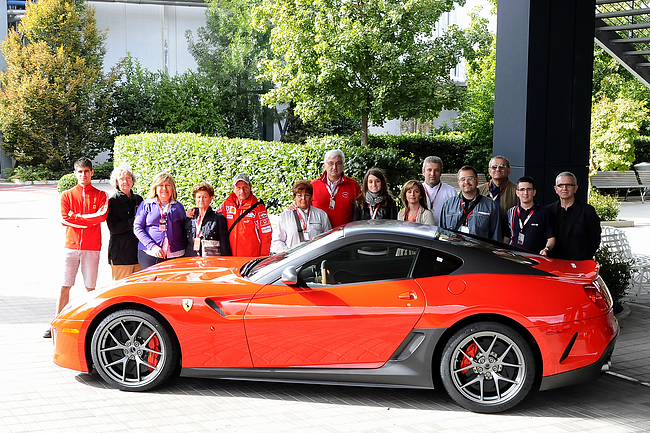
x,y
290,276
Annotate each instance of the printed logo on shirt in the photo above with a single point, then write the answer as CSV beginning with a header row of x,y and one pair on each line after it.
x,y
263,215
230,216
534,224
484,213
345,194
251,215
231,210
266,229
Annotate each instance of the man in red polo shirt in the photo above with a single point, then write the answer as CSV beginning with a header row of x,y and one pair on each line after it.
x,y
333,191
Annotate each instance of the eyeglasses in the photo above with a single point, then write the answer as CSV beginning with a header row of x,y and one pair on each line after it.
x,y
303,195
466,179
500,166
565,185
525,189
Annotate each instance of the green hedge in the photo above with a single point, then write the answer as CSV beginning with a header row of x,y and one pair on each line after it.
x,y
455,149
272,166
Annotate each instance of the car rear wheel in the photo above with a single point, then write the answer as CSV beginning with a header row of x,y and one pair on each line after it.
x,y
487,367
133,350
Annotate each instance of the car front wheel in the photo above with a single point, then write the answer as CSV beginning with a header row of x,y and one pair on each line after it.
x,y
133,350
487,367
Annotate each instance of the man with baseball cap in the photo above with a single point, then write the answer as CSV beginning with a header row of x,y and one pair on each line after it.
x,y
249,227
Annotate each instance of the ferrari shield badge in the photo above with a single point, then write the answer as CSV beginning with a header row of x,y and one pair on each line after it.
x,y
187,304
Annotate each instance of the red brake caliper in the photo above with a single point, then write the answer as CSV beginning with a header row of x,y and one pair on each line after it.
x,y
471,351
154,344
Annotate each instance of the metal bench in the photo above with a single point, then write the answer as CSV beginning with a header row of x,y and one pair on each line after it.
x,y
616,241
452,179
626,180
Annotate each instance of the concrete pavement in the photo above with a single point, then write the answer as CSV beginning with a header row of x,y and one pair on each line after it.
x,y
37,396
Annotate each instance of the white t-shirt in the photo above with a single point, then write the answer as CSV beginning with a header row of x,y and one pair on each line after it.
x,y
437,196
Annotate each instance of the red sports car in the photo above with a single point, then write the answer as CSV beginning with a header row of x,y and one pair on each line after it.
x,y
374,303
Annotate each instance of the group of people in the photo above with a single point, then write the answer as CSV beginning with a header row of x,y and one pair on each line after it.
x,y
147,231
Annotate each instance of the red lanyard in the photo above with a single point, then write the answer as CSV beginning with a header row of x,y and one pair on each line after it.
x,y
199,221
162,210
521,225
415,214
302,221
373,214
335,187
462,204
434,197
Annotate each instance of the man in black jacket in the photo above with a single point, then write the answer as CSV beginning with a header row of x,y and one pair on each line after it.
x,y
577,226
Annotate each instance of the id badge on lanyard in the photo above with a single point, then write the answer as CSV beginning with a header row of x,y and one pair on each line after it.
x,y
162,223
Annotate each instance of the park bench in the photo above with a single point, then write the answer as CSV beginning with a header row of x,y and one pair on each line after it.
x,y
616,241
452,179
626,180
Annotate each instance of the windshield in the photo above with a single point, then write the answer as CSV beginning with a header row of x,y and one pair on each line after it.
x,y
497,248
256,265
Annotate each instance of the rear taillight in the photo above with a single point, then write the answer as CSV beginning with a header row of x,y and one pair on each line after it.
x,y
598,292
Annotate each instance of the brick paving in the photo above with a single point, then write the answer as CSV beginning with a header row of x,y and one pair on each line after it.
x,y
38,396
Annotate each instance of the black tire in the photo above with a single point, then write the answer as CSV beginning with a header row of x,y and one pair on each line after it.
x,y
487,367
133,351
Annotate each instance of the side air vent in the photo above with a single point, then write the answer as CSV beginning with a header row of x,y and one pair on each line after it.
x,y
212,304
569,347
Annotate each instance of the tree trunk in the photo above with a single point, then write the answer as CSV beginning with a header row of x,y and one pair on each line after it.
x,y
364,130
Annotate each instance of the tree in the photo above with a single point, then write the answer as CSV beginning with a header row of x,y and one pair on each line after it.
x,y
148,101
227,53
476,115
364,59
55,102
614,126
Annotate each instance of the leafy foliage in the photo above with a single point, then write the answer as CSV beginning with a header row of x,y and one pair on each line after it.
x,y
476,115
272,166
614,126
148,101
616,271
367,60
606,206
54,101
227,52
66,182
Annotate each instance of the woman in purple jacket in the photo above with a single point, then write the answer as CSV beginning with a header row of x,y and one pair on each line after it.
x,y
159,223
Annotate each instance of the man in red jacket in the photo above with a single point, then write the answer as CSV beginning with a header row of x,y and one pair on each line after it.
x,y
333,191
248,223
83,209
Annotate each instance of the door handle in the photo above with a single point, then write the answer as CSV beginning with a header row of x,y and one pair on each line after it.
x,y
408,296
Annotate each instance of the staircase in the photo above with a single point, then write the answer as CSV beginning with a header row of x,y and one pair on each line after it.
x,y
623,30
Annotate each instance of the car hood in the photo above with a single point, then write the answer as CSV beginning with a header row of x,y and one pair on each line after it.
x,y
191,269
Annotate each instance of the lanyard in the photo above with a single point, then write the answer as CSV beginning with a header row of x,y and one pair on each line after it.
x,y
521,224
334,188
434,197
163,210
468,212
494,197
304,222
415,214
373,214
199,221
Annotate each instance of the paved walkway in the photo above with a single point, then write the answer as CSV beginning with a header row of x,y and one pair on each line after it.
x,y
37,396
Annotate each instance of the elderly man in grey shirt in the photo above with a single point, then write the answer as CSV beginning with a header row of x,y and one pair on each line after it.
x,y
469,211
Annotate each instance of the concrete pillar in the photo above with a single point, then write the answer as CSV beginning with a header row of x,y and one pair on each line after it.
x,y
544,74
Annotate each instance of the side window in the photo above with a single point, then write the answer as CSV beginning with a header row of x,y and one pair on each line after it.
x,y
361,262
432,263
